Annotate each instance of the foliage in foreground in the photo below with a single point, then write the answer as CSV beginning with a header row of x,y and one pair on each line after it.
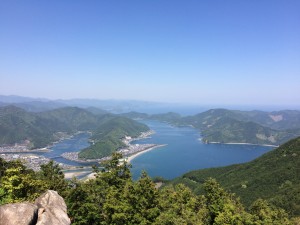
x,y
114,198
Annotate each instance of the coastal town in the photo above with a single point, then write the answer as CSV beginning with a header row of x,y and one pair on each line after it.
x,y
32,161
20,147
22,152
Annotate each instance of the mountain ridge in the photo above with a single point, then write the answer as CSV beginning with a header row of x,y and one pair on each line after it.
x,y
17,125
235,126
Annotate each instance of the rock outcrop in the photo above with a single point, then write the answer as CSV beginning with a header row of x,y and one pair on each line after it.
x,y
52,209
18,213
49,209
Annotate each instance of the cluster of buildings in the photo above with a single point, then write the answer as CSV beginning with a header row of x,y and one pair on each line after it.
x,y
21,151
135,148
20,147
31,161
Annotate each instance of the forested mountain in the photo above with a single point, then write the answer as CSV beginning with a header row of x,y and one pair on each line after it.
x,y
17,125
234,126
273,176
107,136
281,120
71,118
169,117
228,126
111,105
40,129
96,111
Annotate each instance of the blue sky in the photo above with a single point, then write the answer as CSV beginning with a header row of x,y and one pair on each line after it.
x,y
202,52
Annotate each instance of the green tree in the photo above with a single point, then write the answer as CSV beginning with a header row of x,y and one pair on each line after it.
x,y
224,208
53,177
82,205
118,172
265,214
100,201
21,184
181,206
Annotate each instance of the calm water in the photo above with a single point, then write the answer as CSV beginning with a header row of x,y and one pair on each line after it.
x,y
184,152
75,144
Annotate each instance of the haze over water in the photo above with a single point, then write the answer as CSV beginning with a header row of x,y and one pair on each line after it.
x,y
185,152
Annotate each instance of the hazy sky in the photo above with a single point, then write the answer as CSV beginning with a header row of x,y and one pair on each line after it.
x,y
204,52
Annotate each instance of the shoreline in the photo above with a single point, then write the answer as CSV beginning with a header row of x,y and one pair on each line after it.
x,y
130,158
241,143
73,156
75,172
25,151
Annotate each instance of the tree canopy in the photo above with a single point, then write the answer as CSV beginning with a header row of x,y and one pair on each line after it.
x,y
114,198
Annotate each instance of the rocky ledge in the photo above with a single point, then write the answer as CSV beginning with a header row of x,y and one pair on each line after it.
x,y
48,209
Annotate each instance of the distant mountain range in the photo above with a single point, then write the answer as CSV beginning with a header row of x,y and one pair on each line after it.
x,y
110,105
273,176
215,125
234,126
42,128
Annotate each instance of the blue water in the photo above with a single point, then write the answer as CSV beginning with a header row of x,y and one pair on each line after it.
x,y
74,144
184,152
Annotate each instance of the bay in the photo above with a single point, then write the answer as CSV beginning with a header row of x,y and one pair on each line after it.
x,y
185,152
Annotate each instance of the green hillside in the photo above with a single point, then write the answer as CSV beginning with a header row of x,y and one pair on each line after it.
x,y
281,120
273,176
70,119
229,126
169,117
17,125
108,136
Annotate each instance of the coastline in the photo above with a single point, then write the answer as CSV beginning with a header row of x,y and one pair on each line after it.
x,y
130,158
25,151
130,149
241,143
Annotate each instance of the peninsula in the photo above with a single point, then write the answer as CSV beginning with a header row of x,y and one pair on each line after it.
x,y
129,151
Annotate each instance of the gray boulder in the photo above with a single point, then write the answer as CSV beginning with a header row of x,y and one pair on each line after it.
x,y
18,214
52,209
49,209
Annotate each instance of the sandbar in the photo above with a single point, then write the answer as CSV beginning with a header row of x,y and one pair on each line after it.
x,y
130,158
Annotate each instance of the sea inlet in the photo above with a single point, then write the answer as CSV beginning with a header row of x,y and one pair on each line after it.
x,y
184,152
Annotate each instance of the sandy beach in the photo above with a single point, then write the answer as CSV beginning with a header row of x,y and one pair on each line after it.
x,y
75,172
69,175
233,143
130,158
251,144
